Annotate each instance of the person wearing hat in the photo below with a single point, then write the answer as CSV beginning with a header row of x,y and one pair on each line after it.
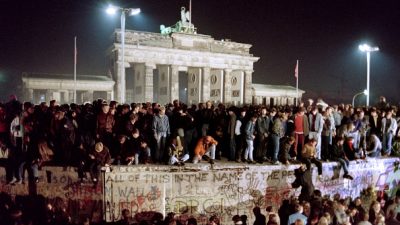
x,y
205,146
100,157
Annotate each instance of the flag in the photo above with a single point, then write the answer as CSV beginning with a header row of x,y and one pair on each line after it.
x,y
296,70
75,52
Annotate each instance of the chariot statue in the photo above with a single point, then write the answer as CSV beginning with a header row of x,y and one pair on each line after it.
x,y
184,25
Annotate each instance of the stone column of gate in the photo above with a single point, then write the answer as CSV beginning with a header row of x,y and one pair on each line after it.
x,y
30,94
205,95
248,75
174,83
110,94
89,95
49,95
227,86
66,97
70,96
148,82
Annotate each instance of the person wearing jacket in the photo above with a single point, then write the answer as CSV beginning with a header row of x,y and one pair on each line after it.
x,y
205,146
262,130
105,124
231,133
374,147
100,157
177,154
316,123
161,131
284,152
389,127
375,123
301,130
308,156
15,158
250,136
240,135
339,155
137,150
207,116
277,133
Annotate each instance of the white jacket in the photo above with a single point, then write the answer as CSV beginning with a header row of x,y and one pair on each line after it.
x,y
393,126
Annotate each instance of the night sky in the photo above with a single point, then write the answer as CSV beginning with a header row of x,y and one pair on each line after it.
x,y
37,36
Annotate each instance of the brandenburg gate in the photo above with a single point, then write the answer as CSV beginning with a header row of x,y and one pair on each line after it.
x,y
177,64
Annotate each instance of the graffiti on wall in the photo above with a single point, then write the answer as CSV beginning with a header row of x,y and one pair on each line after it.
x,y
227,191
61,187
223,191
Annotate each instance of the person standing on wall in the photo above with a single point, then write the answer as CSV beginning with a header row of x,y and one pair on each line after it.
x,y
262,128
161,131
316,123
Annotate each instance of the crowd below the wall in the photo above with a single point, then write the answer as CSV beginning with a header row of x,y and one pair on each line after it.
x,y
371,208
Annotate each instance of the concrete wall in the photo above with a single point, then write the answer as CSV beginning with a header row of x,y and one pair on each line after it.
x,y
82,200
224,190
227,190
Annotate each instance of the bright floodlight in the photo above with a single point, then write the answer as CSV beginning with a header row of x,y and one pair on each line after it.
x,y
367,48
365,92
134,11
111,10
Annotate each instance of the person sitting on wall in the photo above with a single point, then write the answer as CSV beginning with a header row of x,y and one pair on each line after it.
x,y
177,155
339,155
100,157
374,147
137,150
284,154
308,156
205,146
349,150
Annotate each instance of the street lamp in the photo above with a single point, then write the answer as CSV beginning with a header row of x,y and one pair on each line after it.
x,y
368,49
112,10
365,92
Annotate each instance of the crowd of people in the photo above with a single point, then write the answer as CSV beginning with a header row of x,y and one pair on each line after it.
x,y
93,135
372,208
98,134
